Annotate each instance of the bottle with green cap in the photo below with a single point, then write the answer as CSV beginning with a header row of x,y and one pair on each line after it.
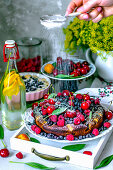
x,y
12,89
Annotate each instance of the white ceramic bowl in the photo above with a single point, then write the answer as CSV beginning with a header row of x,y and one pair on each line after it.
x,y
35,95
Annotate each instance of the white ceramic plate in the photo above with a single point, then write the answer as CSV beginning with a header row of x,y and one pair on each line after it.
x,y
91,72
29,118
35,95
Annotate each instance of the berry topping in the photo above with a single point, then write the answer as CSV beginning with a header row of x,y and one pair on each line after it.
x,y
87,112
53,118
77,121
109,115
61,122
97,101
19,155
79,96
107,124
59,94
71,103
65,93
87,152
70,113
71,98
86,97
60,117
44,111
4,153
70,137
95,132
51,101
85,105
46,96
50,109
82,118
33,127
34,105
37,130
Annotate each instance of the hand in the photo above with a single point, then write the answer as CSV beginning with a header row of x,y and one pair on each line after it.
x,y
93,10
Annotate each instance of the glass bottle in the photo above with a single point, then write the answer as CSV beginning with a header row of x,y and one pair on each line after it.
x,y
13,96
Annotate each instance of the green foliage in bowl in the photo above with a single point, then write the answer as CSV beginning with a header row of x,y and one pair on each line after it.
x,y
86,34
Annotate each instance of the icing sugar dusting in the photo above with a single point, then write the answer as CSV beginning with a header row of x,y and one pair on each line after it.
x,y
52,21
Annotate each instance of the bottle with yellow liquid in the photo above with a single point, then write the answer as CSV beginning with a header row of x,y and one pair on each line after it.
x,y
12,89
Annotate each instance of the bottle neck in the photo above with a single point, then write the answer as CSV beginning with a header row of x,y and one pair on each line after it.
x,y
11,55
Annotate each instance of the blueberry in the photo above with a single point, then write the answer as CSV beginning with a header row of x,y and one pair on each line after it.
x,y
60,137
83,137
80,137
49,136
45,134
76,138
42,133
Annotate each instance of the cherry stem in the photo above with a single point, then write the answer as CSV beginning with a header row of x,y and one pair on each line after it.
x,y
17,162
3,143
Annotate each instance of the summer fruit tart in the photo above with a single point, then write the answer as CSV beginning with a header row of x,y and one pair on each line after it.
x,y
67,67
57,119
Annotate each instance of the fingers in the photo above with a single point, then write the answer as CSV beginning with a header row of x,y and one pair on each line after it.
x,y
88,5
72,5
92,15
98,18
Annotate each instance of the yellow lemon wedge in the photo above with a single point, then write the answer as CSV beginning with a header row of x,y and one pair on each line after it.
x,y
11,90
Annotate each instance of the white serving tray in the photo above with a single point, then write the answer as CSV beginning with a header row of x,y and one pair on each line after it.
x,y
54,149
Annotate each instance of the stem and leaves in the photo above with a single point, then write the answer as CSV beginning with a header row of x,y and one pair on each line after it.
x,y
34,165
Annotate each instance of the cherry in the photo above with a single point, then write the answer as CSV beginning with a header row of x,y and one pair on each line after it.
x,y
74,65
34,105
77,71
71,103
51,101
46,96
75,74
83,71
86,67
4,152
65,93
70,113
79,96
86,97
87,152
50,109
109,115
85,105
78,64
85,63
55,72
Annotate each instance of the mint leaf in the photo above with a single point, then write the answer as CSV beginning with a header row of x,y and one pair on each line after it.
x,y
59,111
105,162
52,95
76,147
34,140
1,132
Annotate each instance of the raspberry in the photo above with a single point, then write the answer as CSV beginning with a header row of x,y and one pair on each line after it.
x,y
44,111
59,94
79,96
82,118
61,122
19,155
60,117
53,118
77,121
70,137
107,124
37,130
33,127
87,152
32,114
95,132
71,103
87,112
97,101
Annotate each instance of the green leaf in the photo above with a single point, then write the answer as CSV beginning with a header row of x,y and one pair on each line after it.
x,y
59,111
34,165
76,147
105,162
34,140
38,166
52,95
1,132
54,64
63,76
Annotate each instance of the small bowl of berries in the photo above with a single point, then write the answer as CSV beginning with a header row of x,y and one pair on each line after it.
x,y
67,69
36,85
